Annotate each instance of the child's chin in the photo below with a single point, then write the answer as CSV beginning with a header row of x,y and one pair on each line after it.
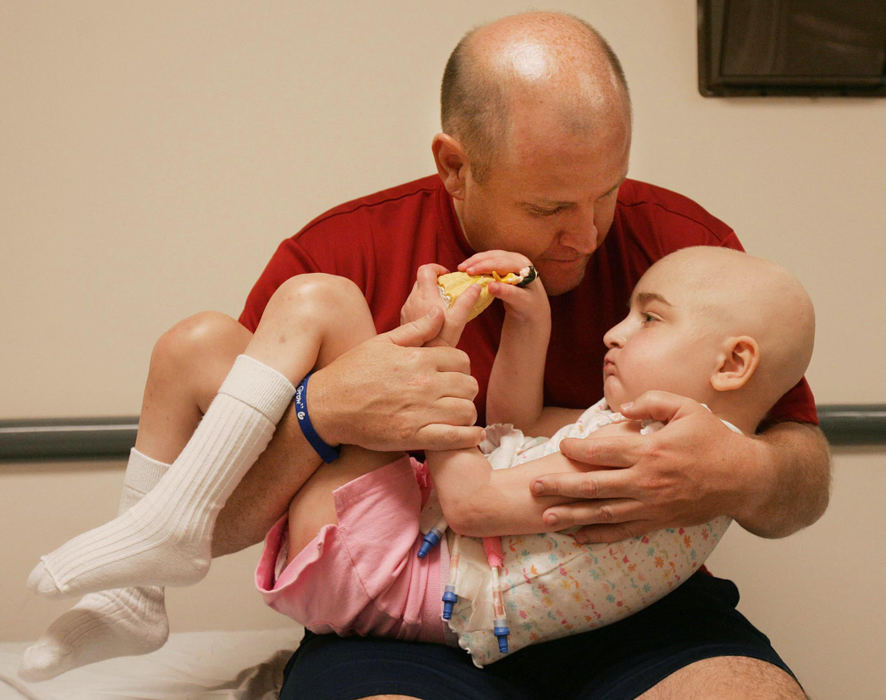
x,y
614,400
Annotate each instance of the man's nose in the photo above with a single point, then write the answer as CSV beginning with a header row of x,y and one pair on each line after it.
x,y
580,231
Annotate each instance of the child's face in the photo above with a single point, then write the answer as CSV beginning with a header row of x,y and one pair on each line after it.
x,y
668,342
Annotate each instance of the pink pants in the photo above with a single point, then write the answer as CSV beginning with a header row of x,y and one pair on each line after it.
x,y
362,576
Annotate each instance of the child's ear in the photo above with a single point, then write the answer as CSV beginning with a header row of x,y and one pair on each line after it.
x,y
737,364
452,163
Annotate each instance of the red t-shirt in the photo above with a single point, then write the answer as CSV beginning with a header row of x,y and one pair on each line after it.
x,y
380,241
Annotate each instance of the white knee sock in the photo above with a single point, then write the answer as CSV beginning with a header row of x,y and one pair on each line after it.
x,y
165,539
119,622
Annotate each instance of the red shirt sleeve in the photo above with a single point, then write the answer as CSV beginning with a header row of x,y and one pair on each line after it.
x,y
797,405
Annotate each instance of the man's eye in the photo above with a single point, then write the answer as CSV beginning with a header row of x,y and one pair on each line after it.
x,y
546,212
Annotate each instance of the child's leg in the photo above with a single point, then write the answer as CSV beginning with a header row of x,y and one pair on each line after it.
x,y
166,538
106,624
188,365
313,506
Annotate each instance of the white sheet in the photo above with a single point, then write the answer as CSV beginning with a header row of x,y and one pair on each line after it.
x,y
245,665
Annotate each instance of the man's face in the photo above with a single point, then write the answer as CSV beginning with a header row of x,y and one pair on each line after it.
x,y
549,194
668,342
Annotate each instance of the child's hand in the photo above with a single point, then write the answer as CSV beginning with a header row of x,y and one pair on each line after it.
x,y
425,296
527,304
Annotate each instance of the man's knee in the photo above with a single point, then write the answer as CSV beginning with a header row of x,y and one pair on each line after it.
x,y
727,677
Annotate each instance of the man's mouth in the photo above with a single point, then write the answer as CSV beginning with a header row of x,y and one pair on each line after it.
x,y
567,261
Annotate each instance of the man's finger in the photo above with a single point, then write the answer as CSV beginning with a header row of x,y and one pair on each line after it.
x,y
621,452
602,512
459,409
592,485
661,406
418,332
445,360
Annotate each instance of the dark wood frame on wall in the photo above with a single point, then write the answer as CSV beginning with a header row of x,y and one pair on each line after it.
x,y
767,37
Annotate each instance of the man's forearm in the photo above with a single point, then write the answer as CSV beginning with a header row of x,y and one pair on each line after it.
x,y
793,482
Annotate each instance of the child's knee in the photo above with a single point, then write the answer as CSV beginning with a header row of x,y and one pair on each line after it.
x,y
318,290
318,298
199,338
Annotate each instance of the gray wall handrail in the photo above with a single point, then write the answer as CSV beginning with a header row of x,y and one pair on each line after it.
x,y
51,439
853,424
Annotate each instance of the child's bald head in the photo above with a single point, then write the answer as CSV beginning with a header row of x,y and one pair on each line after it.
x,y
718,325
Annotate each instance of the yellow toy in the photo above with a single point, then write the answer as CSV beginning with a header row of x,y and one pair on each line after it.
x,y
453,284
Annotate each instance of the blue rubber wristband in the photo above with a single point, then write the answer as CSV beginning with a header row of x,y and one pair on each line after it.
x,y
327,452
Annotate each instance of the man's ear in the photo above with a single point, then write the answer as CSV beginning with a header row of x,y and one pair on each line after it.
x,y
737,364
452,164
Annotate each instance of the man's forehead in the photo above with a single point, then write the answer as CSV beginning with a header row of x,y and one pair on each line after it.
x,y
569,195
562,194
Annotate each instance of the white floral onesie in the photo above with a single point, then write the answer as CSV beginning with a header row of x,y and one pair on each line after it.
x,y
554,586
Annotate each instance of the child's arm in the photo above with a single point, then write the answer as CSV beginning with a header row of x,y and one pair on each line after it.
x,y
515,393
482,502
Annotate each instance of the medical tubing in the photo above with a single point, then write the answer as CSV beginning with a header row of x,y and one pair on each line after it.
x,y
450,598
432,538
495,557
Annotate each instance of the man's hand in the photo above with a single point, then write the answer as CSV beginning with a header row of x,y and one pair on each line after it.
x,y
687,473
390,393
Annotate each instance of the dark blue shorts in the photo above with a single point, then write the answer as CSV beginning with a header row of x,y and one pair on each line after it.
x,y
623,660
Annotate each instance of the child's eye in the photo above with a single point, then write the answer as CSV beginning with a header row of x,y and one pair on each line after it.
x,y
648,318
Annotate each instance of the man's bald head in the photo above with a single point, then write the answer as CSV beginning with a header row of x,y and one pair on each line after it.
x,y
537,60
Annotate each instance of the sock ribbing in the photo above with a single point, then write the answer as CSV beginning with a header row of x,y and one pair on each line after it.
x,y
166,538
106,624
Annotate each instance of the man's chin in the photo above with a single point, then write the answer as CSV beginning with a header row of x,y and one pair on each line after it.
x,y
559,281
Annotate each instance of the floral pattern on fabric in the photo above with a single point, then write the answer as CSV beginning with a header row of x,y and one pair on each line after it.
x,y
553,586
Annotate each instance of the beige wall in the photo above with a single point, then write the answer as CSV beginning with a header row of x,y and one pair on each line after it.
x,y
153,154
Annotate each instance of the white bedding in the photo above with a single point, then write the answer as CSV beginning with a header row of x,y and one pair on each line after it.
x,y
214,664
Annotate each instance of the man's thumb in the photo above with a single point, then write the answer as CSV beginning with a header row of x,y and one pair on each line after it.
x,y
418,332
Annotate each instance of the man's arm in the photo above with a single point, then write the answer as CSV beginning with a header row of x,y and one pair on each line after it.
x,y
797,459
690,471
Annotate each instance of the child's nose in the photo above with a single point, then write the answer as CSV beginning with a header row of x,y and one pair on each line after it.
x,y
615,336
